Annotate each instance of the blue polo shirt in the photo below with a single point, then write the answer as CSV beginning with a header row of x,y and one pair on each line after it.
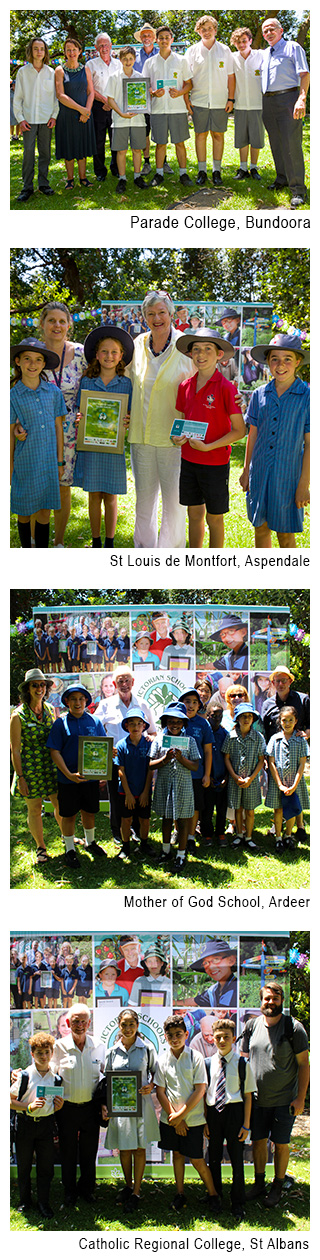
x,y
134,758
64,738
73,645
40,646
202,733
142,57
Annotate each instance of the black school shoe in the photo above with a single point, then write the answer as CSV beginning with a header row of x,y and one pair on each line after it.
x,y
202,178
186,181
180,863
72,860
179,1203
156,181
96,850
216,178
45,1211
238,1214
242,174
121,186
140,183
255,174
132,1204
164,858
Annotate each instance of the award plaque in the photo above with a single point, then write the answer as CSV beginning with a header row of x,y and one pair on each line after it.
x,y
95,757
123,1097
101,425
136,95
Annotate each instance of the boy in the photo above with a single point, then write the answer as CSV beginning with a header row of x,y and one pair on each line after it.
x,y
126,126
135,775
31,1136
180,1080
40,644
74,792
248,125
228,1109
69,980
207,397
169,115
53,649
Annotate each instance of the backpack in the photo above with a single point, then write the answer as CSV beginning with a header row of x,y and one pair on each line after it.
x,y
22,1090
242,1068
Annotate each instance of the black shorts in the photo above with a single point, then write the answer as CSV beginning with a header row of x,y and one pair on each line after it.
x,y
190,1145
148,123
205,483
143,811
198,791
275,1122
75,796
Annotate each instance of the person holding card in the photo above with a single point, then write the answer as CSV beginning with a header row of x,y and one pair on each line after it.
x,y
35,1122
173,795
127,126
108,351
169,81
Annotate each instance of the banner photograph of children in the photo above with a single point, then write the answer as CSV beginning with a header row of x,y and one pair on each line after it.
x,y
205,768
181,109
154,1102
209,390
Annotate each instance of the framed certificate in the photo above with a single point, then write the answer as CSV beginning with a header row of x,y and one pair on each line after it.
x,y
123,1098
136,95
46,979
176,741
107,1001
189,429
101,426
95,756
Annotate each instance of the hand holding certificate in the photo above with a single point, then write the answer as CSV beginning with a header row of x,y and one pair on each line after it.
x,y
102,422
186,430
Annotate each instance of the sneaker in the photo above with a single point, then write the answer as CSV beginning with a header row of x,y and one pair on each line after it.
x,y
216,178
208,842
257,1190
202,178
71,859
121,186
124,853
186,181
179,1203
96,849
223,842
157,179
180,863
146,169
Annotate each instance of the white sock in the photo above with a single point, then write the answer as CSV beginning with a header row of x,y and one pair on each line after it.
x,y
191,836
166,848
69,843
202,166
159,170
181,853
243,166
89,834
182,170
137,174
217,165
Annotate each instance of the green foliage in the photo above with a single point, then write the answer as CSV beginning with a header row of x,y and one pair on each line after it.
x,y
300,981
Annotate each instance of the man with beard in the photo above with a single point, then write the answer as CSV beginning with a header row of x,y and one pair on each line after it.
x,y
278,1050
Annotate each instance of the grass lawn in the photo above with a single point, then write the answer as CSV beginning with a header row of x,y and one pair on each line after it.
x,y
238,531
245,195
156,1199
211,868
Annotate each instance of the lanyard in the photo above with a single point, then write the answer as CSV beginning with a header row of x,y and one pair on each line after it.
x,y
59,377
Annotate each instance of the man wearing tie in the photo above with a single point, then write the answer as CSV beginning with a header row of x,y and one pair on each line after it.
x,y
285,81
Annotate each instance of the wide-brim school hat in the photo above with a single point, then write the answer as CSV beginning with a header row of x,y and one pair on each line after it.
x,y
34,675
135,713
180,625
155,951
107,962
244,707
143,634
186,341
30,343
228,313
212,948
110,331
76,687
176,710
283,341
146,27
231,622
192,691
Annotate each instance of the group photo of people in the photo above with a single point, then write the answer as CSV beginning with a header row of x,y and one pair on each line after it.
x,y
144,111
176,1085
179,733
139,429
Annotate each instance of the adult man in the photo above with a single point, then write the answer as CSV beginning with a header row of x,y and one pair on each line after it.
x,y
76,1057
219,963
233,633
204,1040
129,964
160,633
36,108
111,712
212,94
285,80
147,36
248,125
102,67
280,1062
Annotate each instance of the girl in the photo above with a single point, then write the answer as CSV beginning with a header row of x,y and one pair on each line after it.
x,y
198,727
173,795
108,350
69,980
277,464
38,992
155,978
287,790
24,982
244,751
37,462
131,1135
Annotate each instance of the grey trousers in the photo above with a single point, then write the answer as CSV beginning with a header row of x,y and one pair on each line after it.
x,y
41,133
285,135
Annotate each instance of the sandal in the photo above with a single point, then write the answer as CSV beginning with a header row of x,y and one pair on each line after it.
x,y
85,183
41,856
70,183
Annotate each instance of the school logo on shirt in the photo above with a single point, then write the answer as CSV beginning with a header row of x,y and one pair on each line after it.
x,y
210,402
257,73
221,65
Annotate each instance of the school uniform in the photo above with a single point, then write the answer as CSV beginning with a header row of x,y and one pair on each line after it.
x,y
282,424
145,984
168,114
173,794
85,655
225,994
134,758
96,470
287,754
204,476
131,1132
112,711
35,478
34,1133
35,102
84,985
125,130
225,1112
117,991
40,648
248,125
73,645
149,659
123,651
215,796
244,752
64,738
37,990
69,976
202,733
24,975
179,1077
209,69
53,648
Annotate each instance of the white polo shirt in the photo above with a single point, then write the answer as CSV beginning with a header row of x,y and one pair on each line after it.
x,y
115,89
233,1091
248,94
80,1069
101,73
179,1077
112,711
209,69
172,67
35,99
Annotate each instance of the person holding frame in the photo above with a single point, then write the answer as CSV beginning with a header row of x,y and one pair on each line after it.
x,y
75,792
108,351
131,1134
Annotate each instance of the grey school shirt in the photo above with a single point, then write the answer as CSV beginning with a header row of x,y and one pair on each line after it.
x,y
273,1060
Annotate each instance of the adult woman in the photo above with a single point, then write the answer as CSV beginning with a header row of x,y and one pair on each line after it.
x,y
34,769
262,689
132,1134
75,135
156,371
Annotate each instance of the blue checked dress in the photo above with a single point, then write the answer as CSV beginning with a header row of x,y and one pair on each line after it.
x,y
287,754
100,470
276,462
35,480
173,794
244,753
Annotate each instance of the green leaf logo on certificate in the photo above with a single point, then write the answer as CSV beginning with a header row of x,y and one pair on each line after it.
x,y
136,95
123,1097
101,425
95,757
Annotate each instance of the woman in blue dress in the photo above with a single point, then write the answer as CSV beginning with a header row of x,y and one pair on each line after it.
x,y
75,135
108,351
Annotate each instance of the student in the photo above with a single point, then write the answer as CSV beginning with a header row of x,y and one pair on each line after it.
x,y
135,776
212,96
126,126
215,796
106,984
248,125
219,962
173,795
244,751
36,461
287,790
36,108
35,1124
228,1111
85,658
201,731
154,981
38,993
123,651
69,980
131,1135
141,654
169,115
277,464
74,792
181,1081
73,649
24,981
108,351
207,397
53,994
84,970
53,649
40,644
181,640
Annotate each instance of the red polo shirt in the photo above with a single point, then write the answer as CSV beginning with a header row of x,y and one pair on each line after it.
x,y
213,405
128,974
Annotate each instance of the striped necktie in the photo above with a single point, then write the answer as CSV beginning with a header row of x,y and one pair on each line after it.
x,y
220,1098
